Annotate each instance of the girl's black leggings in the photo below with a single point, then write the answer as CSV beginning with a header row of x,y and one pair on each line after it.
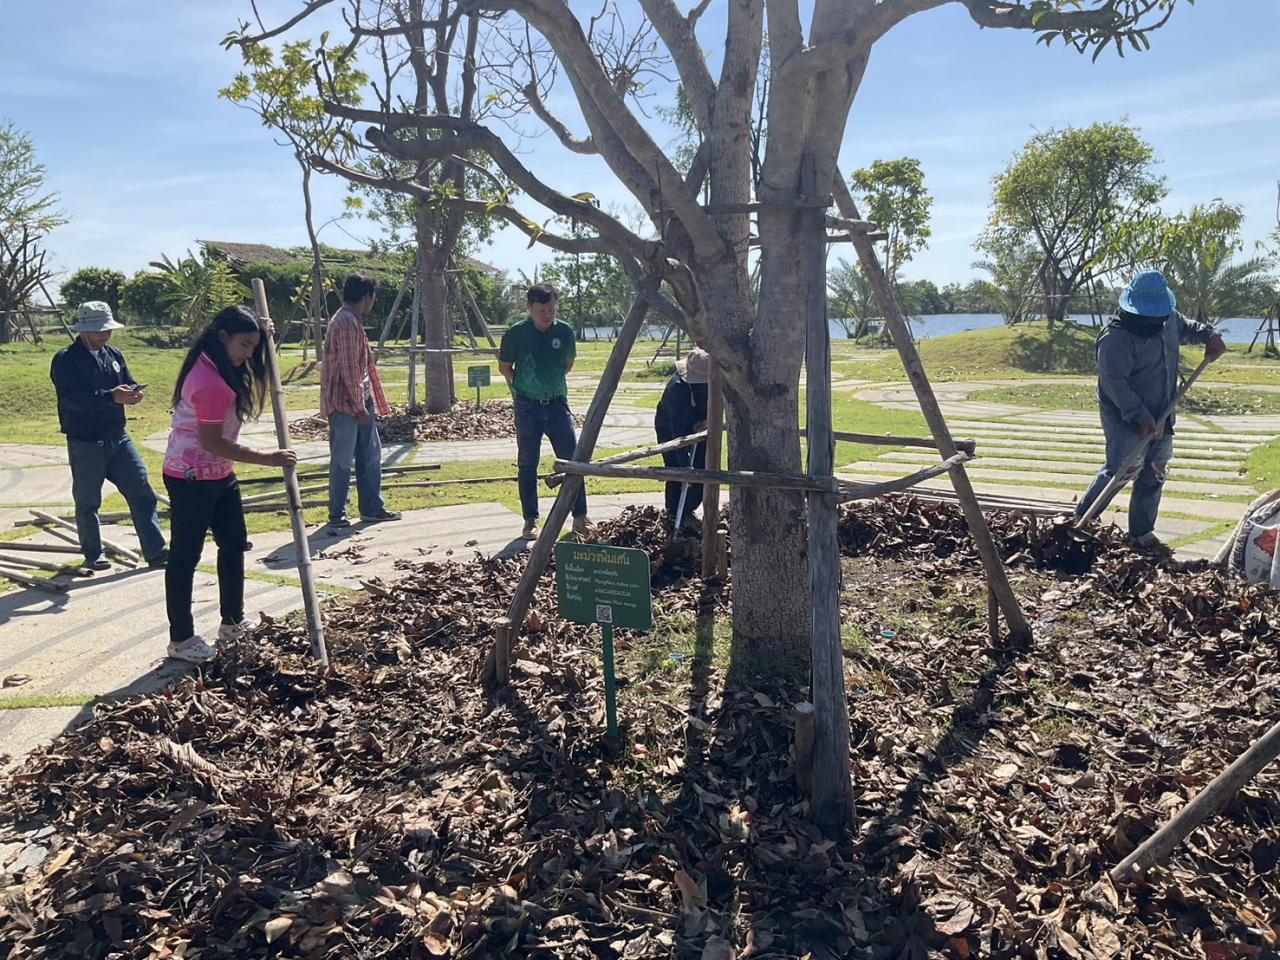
x,y
195,508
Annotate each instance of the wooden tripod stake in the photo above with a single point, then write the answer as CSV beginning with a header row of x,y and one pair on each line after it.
x,y
310,603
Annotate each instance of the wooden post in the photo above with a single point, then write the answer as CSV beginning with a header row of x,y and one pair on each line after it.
x,y
469,300
395,306
711,545
497,667
832,803
35,583
311,604
1208,801
413,329
111,547
803,747
997,577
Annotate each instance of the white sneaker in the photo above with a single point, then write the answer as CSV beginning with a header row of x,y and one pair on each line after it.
x,y
581,526
192,650
233,631
530,531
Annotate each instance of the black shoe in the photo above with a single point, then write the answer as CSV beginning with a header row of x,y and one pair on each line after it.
x,y
159,561
102,563
340,524
380,517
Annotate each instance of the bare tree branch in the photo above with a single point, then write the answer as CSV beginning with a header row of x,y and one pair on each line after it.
x,y
677,33
308,10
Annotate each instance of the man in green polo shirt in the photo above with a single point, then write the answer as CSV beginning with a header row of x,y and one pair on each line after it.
x,y
534,357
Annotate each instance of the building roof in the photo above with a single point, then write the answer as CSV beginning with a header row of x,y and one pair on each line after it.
x,y
239,254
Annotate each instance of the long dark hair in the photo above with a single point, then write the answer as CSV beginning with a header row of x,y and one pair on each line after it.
x,y
248,381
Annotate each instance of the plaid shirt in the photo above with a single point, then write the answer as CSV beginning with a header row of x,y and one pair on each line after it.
x,y
347,360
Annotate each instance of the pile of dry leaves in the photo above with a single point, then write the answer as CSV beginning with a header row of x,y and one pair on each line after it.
x,y
389,809
495,420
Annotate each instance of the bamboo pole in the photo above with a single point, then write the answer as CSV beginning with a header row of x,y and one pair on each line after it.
x,y
413,328
315,626
40,547
997,577
869,491
470,300
555,479
108,545
1204,804
32,564
497,668
315,474
711,545
729,478
35,583
889,440
395,306
831,805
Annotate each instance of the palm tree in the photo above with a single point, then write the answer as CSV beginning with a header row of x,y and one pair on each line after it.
x,y
199,286
1199,263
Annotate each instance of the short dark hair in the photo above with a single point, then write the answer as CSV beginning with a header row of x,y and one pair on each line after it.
x,y
542,293
357,287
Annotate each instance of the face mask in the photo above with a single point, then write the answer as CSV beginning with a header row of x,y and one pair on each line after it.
x,y
1145,327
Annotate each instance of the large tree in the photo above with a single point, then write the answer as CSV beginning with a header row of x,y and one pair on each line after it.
x,y
24,199
894,197
1066,192
702,220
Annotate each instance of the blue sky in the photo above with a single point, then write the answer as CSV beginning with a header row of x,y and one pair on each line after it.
x,y
120,99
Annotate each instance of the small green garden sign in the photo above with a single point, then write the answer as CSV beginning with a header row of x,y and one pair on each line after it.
x,y
609,586
478,376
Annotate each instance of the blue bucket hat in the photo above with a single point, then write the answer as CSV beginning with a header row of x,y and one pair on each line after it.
x,y
1148,295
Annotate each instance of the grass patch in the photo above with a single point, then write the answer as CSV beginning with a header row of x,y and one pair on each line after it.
x,y
1263,465
1204,401
25,701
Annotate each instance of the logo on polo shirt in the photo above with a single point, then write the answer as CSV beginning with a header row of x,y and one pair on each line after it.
x,y
115,365
555,343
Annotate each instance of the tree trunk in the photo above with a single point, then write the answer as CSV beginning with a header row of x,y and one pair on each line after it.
x,y
317,267
437,368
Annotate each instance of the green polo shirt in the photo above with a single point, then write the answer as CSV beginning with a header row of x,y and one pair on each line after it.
x,y
539,358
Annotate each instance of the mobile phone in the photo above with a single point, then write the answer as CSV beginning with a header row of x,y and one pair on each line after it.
x,y
139,386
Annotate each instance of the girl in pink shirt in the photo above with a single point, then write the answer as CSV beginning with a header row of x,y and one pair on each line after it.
x,y
221,384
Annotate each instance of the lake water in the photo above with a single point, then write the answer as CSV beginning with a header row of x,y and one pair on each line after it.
x,y
929,326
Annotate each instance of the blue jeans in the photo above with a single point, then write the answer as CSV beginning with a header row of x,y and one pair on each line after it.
x,y
92,462
534,420
350,439
1123,443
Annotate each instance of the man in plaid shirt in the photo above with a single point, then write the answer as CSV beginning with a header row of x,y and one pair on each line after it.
x,y
351,398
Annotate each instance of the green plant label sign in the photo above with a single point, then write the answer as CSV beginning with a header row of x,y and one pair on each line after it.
x,y
477,376
605,585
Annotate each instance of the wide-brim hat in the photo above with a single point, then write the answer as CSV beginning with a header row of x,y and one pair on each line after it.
x,y
95,317
1148,295
695,367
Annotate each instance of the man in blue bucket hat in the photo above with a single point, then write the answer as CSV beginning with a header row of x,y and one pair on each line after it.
x,y
1137,379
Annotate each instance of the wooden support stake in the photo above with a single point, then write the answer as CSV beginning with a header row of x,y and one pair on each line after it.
x,y
497,668
679,443
40,547
888,440
302,549
123,552
869,491
35,583
31,564
803,745
997,577
832,804
469,300
993,617
711,543
729,478
1204,804
395,306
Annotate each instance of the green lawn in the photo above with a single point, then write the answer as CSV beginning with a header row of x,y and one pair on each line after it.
x,y
1264,466
1205,401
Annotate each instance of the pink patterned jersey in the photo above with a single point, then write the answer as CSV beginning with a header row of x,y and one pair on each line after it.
x,y
206,398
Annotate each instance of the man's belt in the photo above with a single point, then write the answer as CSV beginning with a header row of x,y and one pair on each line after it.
x,y
546,403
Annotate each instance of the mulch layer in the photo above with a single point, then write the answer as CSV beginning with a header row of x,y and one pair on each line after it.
x,y
391,809
495,420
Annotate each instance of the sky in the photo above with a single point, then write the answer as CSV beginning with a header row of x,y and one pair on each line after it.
x,y
120,100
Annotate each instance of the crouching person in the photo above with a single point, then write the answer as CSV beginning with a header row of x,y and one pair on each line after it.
x,y
682,411
221,384
94,385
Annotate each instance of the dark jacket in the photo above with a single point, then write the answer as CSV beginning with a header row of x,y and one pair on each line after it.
x,y
86,409
682,405
1138,375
